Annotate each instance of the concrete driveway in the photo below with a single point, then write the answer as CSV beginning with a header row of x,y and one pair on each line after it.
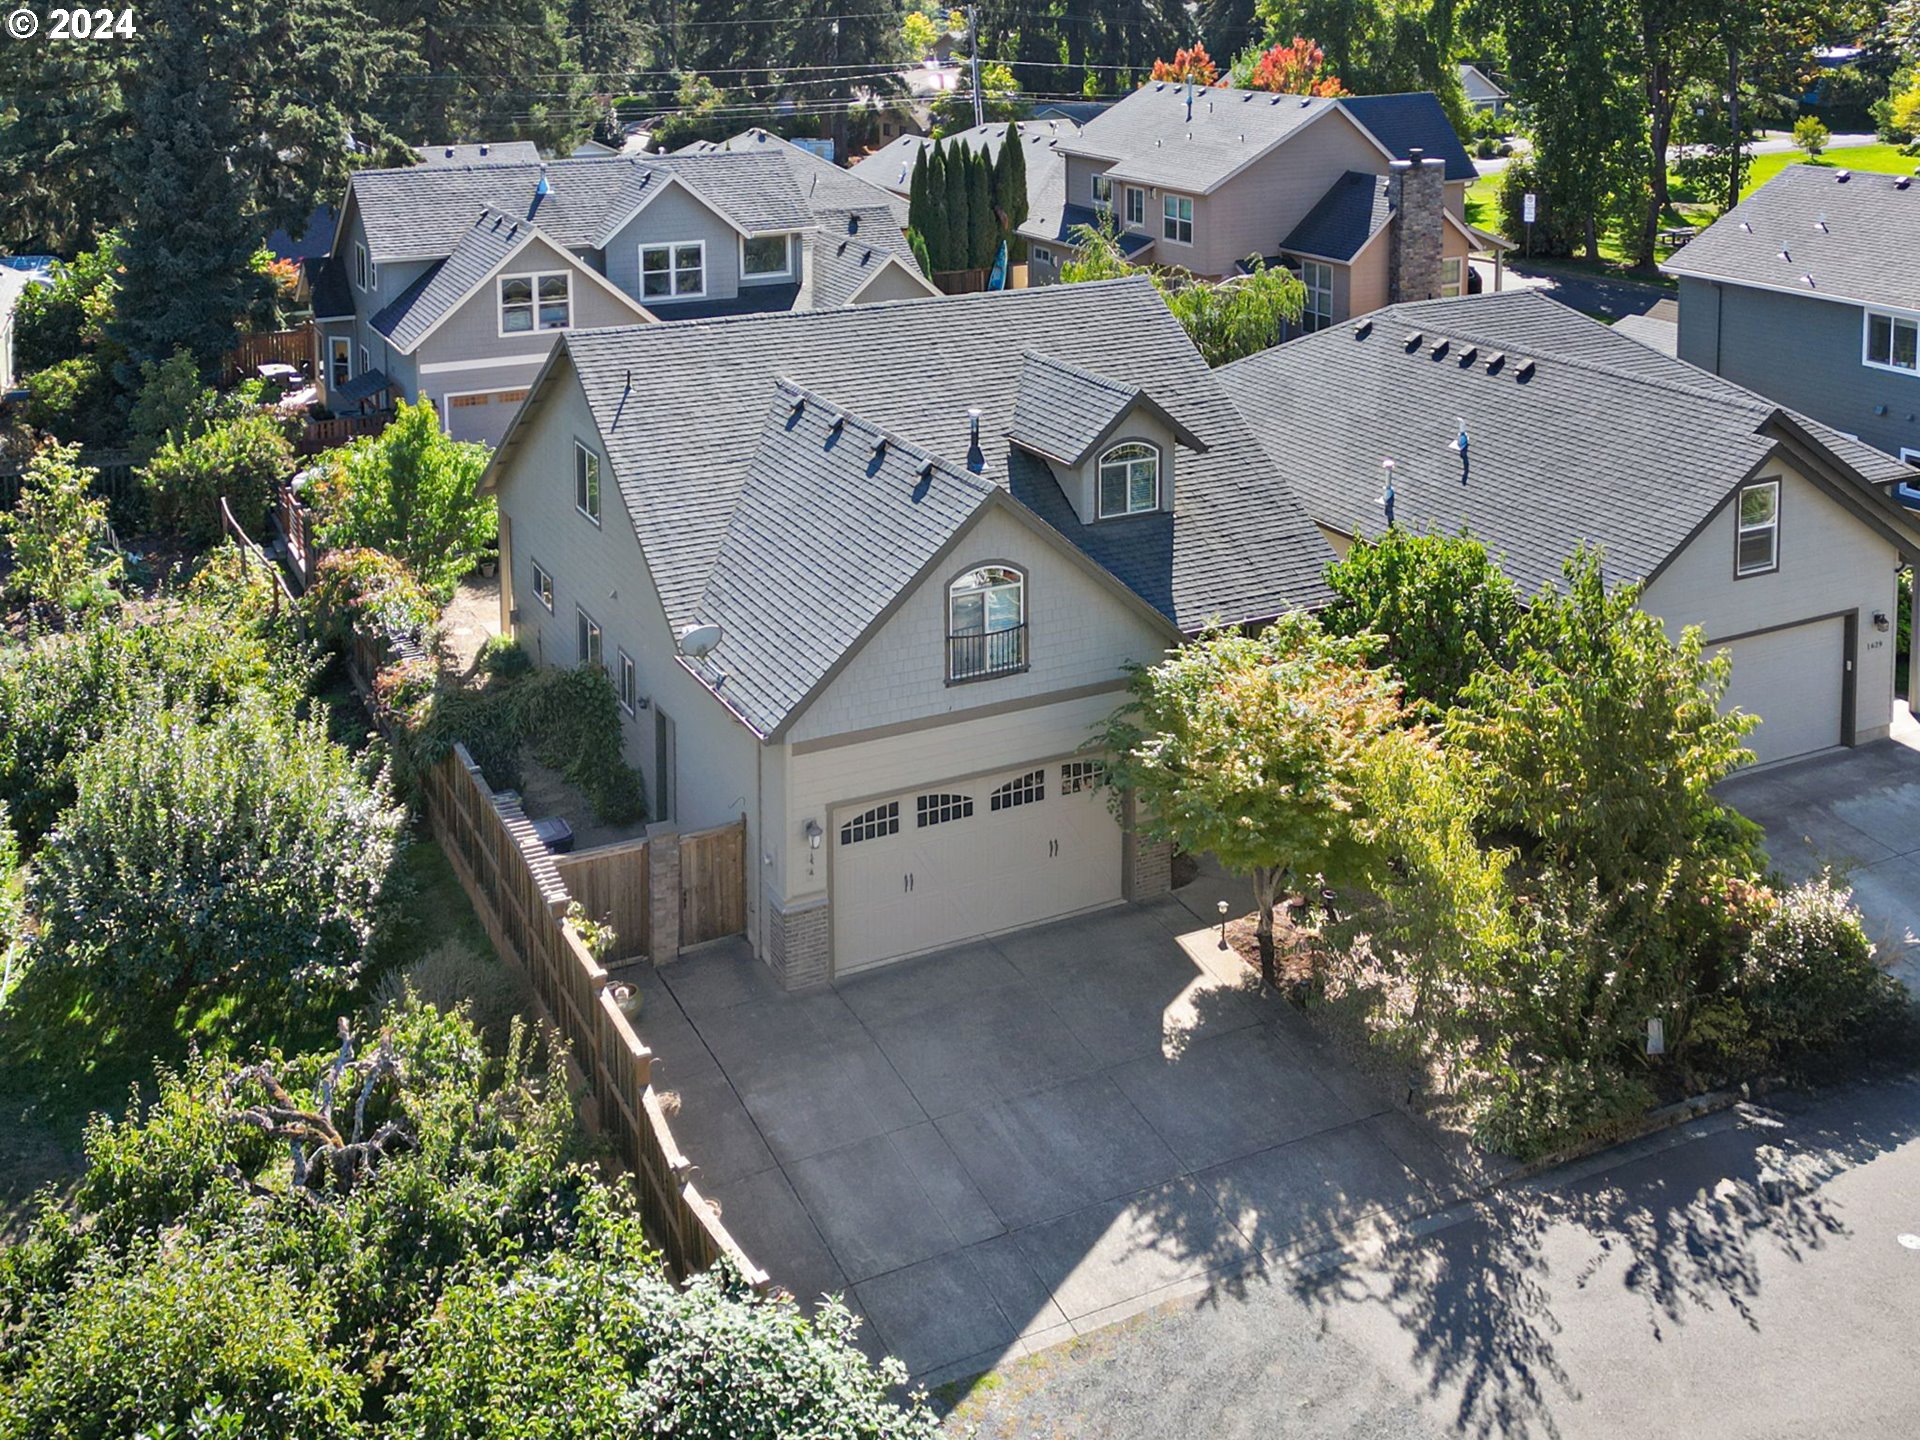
x,y
1858,811
998,1147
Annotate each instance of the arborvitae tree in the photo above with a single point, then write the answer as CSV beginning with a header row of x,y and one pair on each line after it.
x,y
959,232
983,228
935,233
917,193
1010,190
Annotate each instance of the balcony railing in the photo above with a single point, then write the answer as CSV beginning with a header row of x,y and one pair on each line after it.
x,y
980,655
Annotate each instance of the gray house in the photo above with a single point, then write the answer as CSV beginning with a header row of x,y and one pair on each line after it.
x,y
453,279
871,574
1771,532
1808,291
1364,197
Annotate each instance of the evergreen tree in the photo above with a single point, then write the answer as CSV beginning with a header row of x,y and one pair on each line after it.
x,y
935,233
983,227
959,230
1010,190
917,194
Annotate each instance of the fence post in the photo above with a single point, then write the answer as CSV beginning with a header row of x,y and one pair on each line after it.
x,y
663,892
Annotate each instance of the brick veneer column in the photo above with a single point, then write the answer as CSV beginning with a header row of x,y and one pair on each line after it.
x,y
663,892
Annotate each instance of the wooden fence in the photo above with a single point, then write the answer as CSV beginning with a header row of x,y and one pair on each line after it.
x,y
269,347
114,481
294,522
612,884
318,436
253,557
713,882
516,889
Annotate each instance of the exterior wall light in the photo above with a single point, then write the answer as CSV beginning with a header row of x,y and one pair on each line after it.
x,y
1881,622
814,833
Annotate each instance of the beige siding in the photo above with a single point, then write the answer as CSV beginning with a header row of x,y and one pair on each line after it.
x,y
1457,199
1252,212
1366,280
1829,563
1079,632
892,283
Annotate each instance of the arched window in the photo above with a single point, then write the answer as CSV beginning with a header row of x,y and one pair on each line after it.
x,y
986,623
1129,479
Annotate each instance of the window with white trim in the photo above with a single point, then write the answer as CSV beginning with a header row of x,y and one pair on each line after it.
x,y
1316,311
339,361
764,256
881,820
586,482
939,809
535,302
366,361
986,623
1893,341
542,586
1029,789
627,681
1103,192
1079,775
366,275
1129,479
673,272
1451,269
1176,219
1757,524
586,632
1136,208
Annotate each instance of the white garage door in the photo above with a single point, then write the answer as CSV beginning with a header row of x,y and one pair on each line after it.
x,y
484,416
1795,681
937,866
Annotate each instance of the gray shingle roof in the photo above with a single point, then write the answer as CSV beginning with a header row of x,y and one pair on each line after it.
x,y
480,252
817,499
1867,251
850,248
421,212
1416,121
1343,220
1152,141
1661,335
1604,440
1061,226
1064,411
498,152
1238,546
891,166
823,185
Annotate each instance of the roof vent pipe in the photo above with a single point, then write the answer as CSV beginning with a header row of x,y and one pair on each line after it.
x,y
543,189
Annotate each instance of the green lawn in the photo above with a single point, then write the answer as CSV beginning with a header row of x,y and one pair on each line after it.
x,y
1877,159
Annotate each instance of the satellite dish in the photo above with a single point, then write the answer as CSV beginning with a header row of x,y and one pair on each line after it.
x,y
698,641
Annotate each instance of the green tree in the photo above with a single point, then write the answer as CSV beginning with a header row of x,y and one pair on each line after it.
x,y
1439,606
238,460
63,563
412,492
1254,748
957,212
1010,190
983,227
1811,135
937,230
68,318
244,848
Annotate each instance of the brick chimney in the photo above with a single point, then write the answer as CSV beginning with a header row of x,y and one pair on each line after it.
x,y
1417,193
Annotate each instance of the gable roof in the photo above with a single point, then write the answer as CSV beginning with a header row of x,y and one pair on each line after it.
x,y
1338,227
891,166
493,152
851,248
1416,121
823,185
421,213
824,494
1601,440
1064,411
1238,545
1817,231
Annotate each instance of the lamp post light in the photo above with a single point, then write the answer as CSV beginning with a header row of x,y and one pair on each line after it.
x,y
1223,924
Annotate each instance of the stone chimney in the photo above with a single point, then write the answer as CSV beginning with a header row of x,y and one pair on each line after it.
x,y
1417,194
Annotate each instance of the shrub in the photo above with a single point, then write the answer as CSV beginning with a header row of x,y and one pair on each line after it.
x,y
450,976
243,848
57,322
371,591
62,562
1808,978
414,493
403,693
1534,1111
73,400
571,721
504,658
1811,135
239,460
174,403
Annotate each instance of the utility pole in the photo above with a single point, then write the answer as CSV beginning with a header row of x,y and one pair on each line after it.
x,y
973,44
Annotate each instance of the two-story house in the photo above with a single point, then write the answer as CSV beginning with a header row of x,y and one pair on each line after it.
x,y
1364,197
1808,291
453,280
1539,429
872,575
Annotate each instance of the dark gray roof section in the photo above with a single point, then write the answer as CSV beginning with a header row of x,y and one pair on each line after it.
x,y
421,212
825,494
493,152
327,285
1416,121
1343,220
1238,545
850,248
1813,232
1064,411
1063,226
748,300
823,185
1598,439
1153,138
480,252
363,386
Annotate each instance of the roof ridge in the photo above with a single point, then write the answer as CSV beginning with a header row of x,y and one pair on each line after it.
x,y
1106,381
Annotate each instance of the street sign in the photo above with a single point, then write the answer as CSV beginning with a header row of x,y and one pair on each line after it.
x,y
1529,207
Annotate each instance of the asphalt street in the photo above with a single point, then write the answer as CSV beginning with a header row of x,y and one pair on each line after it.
x,y
1753,1274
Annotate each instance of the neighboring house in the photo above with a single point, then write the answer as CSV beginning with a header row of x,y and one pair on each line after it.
x,y
891,166
871,575
1770,532
1363,196
15,280
454,280
1809,292
498,152
1482,93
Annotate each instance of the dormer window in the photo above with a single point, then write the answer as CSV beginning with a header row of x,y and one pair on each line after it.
x,y
986,623
1129,480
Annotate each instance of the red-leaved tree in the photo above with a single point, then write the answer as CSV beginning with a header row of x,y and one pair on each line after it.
x,y
1195,65
1296,69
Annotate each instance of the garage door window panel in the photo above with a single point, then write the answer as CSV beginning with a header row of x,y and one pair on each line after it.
x,y
880,821
1757,520
1029,789
941,809
986,623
